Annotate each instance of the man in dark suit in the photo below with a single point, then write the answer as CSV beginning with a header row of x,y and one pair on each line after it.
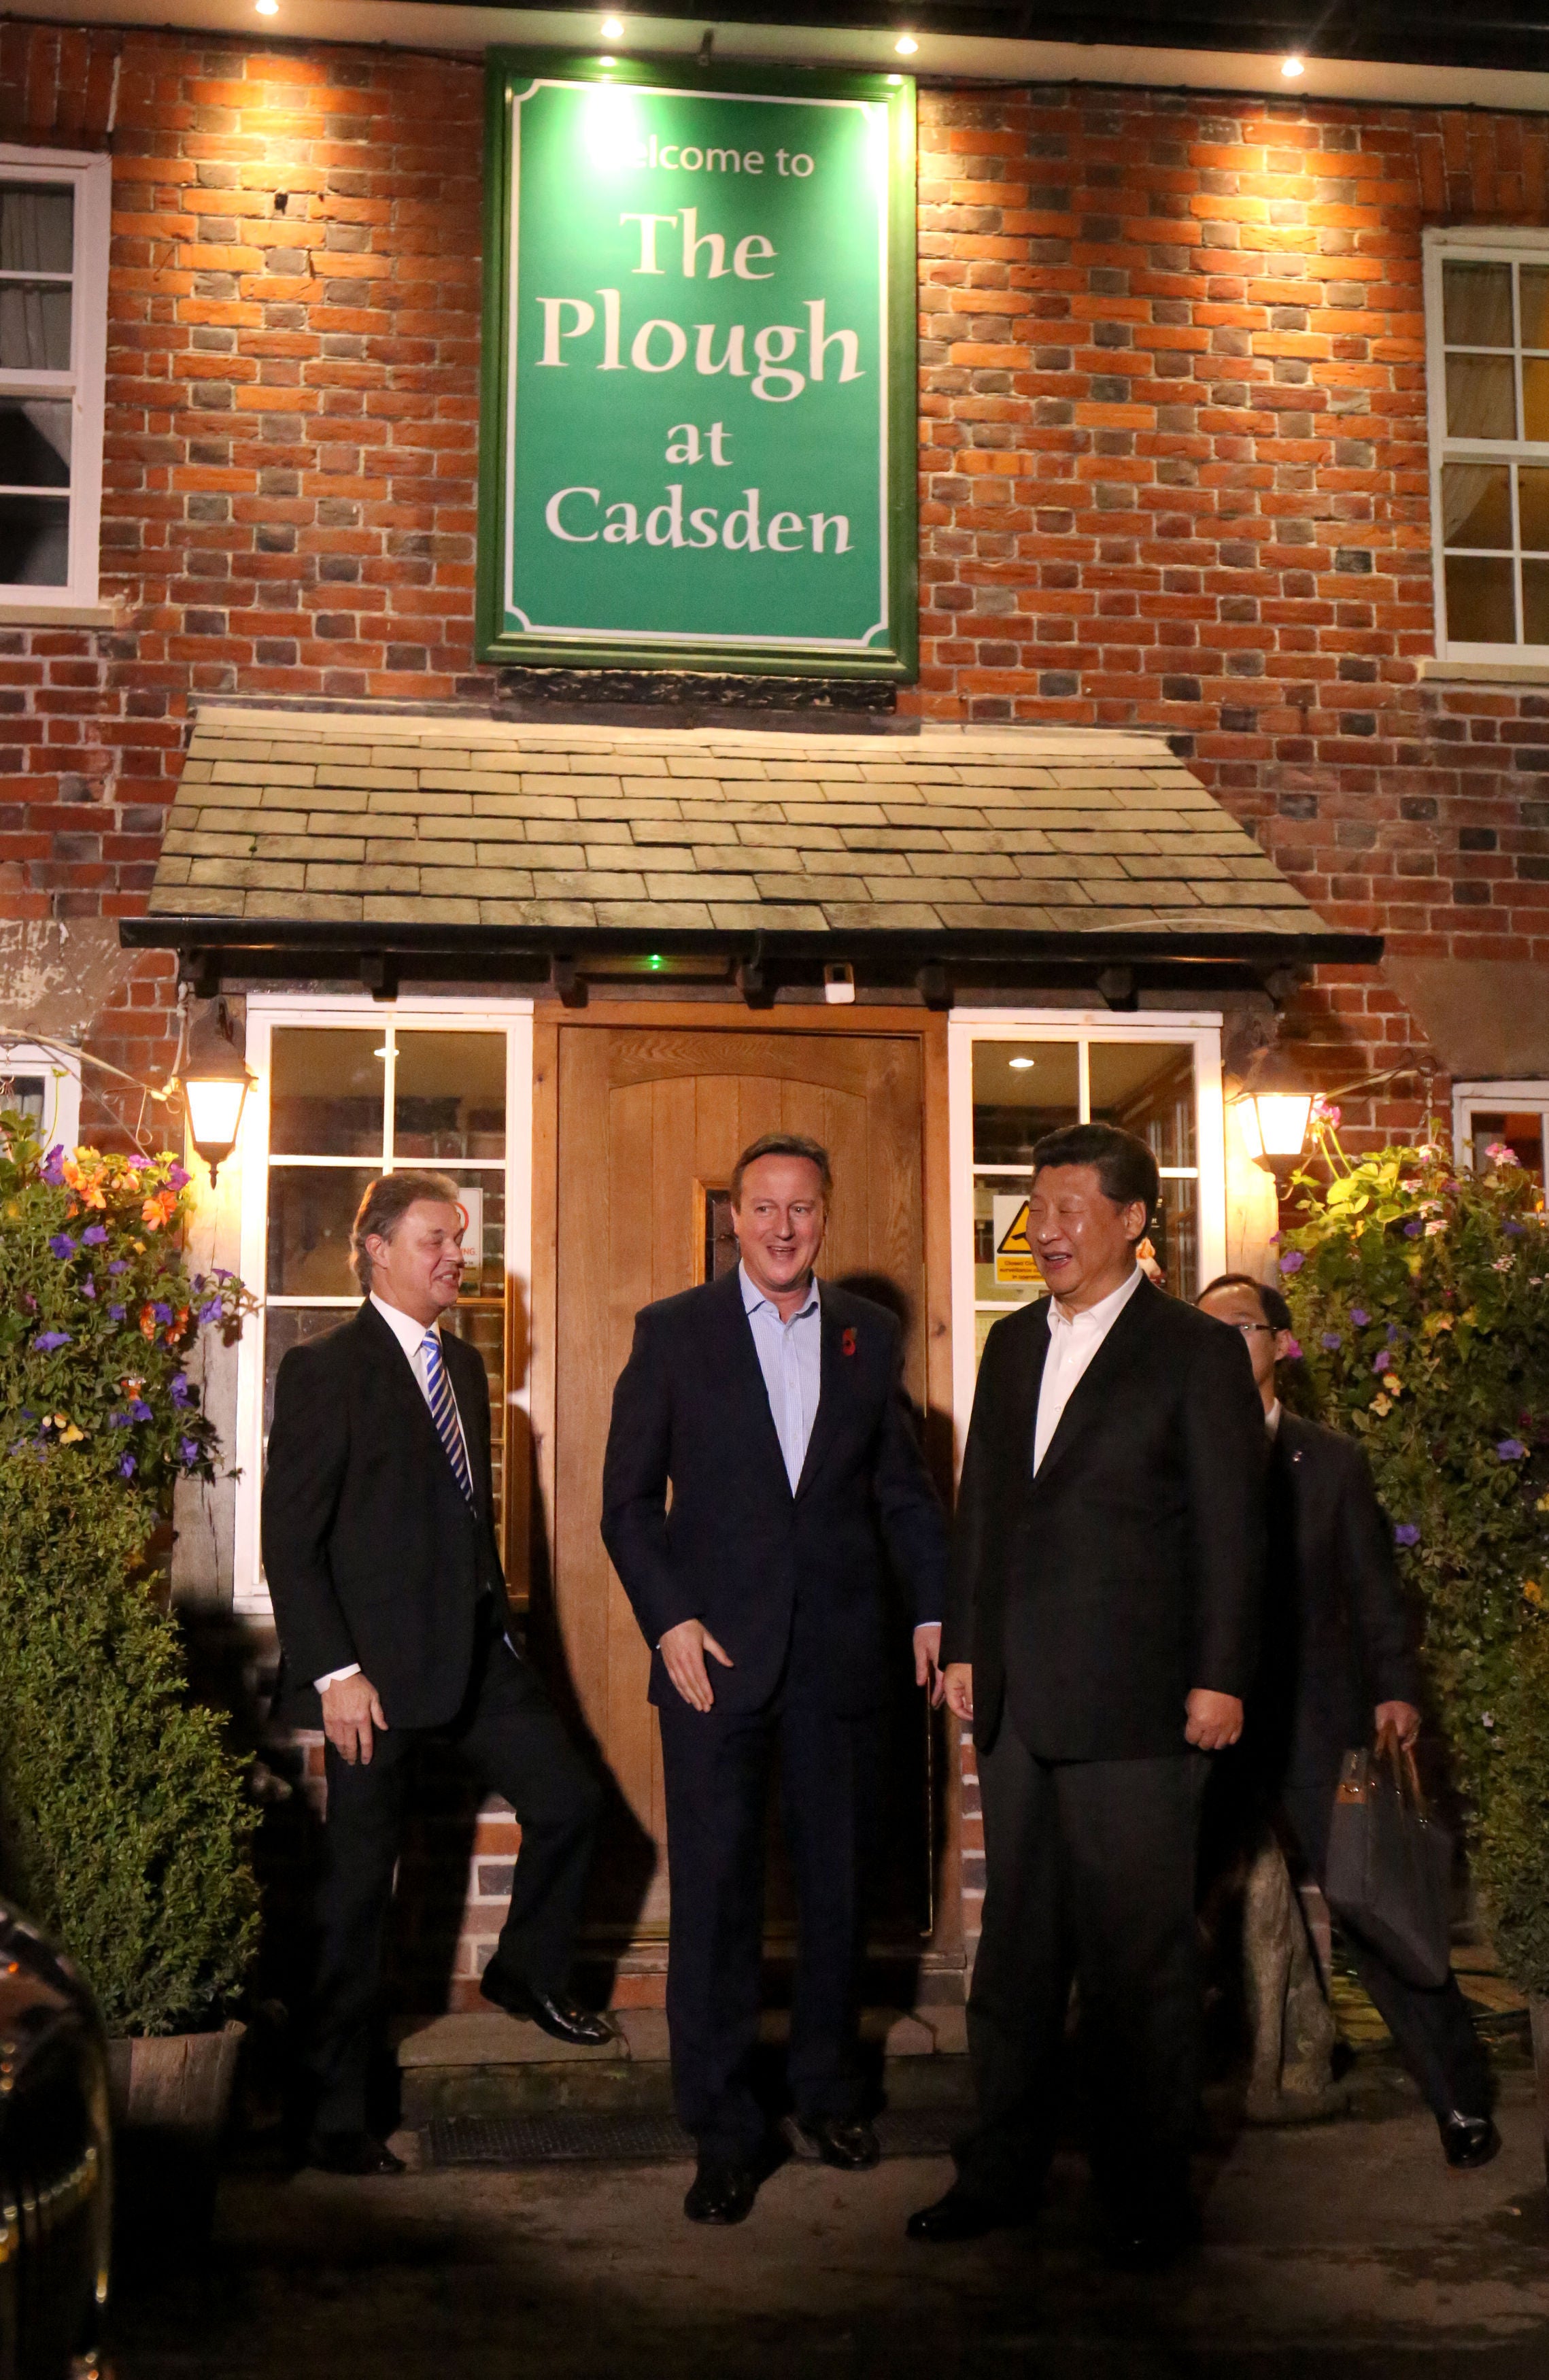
x,y
1099,1639
773,1407
379,1544
1339,1666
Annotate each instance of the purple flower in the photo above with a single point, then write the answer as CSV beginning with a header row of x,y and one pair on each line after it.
x,y
1359,1317
212,1312
116,1313
127,1468
182,1394
1412,1230
118,1266
47,1340
1332,1339
1515,1228
1382,1361
1510,1449
120,1421
140,1411
1406,1533
179,1177
138,1164
53,1167
1292,1261
162,1311
94,1236
62,1246
187,1448
1293,1348
89,1289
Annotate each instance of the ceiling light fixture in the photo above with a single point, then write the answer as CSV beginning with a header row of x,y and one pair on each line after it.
x,y
607,62
1020,1066
613,30
906,46
1292,68
266,7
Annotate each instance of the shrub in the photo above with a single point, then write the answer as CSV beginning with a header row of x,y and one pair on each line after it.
x,y
123,1823
1421,1304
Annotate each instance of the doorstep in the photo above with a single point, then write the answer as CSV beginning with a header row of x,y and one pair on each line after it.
x,y
490,2064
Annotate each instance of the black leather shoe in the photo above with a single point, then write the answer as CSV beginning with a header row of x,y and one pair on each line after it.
x,y
555,2012
356,2153
1469,2141
720,2194
847,2142
961,2216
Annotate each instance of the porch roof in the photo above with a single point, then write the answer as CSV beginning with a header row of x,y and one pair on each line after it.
x,y
358,831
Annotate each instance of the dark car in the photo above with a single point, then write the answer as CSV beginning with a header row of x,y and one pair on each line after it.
x,y
55,2162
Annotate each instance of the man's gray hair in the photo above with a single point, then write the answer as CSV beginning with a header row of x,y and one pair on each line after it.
x,y
783,1144
387,1201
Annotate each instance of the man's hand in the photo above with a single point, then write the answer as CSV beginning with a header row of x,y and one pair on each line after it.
x,y
1214,1720
351,1709
682,1651
956,1680
1403,1719
927,1661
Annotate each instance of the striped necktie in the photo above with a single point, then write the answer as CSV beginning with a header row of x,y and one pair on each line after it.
x,y
444,1412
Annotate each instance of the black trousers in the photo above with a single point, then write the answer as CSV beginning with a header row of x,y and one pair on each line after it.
x,y
517,1745
716,1771
1432,2029
1090,1876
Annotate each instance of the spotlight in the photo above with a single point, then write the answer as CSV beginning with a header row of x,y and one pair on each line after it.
x,y
612,30
607,62
906,46
267,7
1292,68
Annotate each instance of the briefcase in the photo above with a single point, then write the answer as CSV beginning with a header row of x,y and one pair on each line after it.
x,y
1389,1880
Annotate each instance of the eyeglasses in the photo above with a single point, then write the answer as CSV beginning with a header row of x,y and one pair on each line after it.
x,y
1248,1328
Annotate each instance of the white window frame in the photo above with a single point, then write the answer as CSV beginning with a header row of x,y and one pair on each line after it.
x,y
1522,1098
1477,246
62,1122
1200,1029
265,1011
89,174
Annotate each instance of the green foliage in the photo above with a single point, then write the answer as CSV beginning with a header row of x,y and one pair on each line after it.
x,y
123,1823
1421,1304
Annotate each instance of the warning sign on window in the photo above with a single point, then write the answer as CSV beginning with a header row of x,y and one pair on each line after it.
x,y
1014,1259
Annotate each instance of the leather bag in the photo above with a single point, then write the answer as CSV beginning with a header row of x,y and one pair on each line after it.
x,y
1390,1878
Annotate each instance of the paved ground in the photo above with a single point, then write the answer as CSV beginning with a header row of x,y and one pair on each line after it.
x,y
1339,2250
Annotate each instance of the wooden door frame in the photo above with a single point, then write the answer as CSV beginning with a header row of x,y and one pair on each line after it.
x,y
944,1947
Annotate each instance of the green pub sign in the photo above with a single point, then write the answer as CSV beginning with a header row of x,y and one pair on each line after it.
x,y
697,439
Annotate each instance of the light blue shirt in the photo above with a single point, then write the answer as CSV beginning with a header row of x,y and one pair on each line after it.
x,y
790,1358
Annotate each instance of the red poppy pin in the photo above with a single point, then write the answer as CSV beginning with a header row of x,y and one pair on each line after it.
x,y
847,1342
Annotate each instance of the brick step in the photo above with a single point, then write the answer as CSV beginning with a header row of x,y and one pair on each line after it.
x,y
492,2065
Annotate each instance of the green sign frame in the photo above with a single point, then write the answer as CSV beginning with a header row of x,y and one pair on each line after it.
x,y
611,532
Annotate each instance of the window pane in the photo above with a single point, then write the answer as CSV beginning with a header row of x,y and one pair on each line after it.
x,y
1523,1135
1534,300
1480,607
1481,400
1476,503
34,445
1476,304
310,1211
1532,505
284,1327
37,223
1175,1240
483,1190
448,1097
1147,1087
1022,1090
1535,603
35,327
326,1093
1535,397
34,540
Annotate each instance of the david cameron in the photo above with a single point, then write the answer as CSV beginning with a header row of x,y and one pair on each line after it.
x,y
379,1544
769,1406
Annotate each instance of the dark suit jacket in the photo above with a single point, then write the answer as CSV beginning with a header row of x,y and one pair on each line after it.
x,y
371,1550
1093,1598
737,1549
1338,1637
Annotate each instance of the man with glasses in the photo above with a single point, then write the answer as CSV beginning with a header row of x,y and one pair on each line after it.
x,y
1338,1665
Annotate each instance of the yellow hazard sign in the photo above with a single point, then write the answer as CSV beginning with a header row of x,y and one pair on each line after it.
x,y
1014,1259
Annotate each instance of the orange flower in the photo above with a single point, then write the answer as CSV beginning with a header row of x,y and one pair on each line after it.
x,y
158,1210
147,1322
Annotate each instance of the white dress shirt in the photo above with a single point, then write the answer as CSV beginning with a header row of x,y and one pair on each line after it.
x,y
1074,1339
1271,1420
411,1337
790,1358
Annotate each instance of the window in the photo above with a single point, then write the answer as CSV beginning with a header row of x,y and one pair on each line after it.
x,y
1516,1115
345,1093
44,1085
1016,1075
53,238
1487,329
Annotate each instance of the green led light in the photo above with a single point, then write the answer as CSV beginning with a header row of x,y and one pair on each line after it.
x,y
655,960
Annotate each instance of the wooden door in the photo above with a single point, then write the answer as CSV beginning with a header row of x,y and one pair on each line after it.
x,y
650,1124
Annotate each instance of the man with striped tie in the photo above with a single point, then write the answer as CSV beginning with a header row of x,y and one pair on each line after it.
x,y
379,1544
